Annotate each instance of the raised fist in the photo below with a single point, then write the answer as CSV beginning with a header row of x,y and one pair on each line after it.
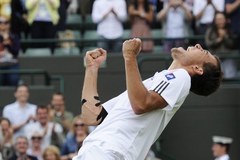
x,y
95,58
131,48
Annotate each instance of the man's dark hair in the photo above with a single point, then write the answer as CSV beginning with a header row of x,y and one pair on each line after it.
x,y
42,107
209,81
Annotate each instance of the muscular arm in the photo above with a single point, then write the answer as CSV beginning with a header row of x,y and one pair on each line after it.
x,y
141,99
91,106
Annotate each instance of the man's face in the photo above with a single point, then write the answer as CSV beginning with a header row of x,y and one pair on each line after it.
x,y
58,102
218,150
22,94
194,55
22,145
42,115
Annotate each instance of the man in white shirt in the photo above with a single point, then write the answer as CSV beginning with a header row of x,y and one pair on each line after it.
x,y
221,146
20,112
51,132
132,121
109,16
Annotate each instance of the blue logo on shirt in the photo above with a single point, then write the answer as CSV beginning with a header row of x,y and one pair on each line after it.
x,y
170,76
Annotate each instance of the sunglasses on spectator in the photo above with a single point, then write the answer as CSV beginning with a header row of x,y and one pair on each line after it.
x,y
36,137
79,125
4,22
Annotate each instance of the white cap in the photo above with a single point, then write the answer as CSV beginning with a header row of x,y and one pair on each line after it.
x,y
223,140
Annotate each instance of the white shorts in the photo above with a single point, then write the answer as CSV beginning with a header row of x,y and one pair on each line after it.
x,y
95,152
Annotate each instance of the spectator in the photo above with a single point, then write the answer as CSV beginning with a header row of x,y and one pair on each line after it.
x,y
43,17
141,14
109,15
5,8
203,11
233,11
21,146
51,153
6,134
176,20
35,148
9,48
59,114
19,18
74,139
219,39
221,146
20,112
50,131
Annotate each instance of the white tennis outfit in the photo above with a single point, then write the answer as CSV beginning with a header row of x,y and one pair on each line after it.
x,y
123,135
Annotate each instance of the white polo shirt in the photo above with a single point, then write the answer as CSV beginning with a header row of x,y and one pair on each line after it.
x,y
208,14
18,115
131,135
110,27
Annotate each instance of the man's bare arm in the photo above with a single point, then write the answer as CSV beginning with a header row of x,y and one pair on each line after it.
x,y
141,99
92,110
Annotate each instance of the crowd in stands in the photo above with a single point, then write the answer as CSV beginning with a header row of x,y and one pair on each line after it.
x,y
177,20
39,131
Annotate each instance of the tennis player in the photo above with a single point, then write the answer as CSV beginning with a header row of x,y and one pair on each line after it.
x,y
130,123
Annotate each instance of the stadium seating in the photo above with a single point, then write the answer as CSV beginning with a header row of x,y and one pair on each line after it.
x,y
37,52
66,51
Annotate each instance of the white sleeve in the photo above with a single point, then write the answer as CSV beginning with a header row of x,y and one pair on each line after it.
x,y
110,103
172,86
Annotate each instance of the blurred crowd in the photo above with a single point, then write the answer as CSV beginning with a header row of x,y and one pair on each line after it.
x,y
45,132
216,20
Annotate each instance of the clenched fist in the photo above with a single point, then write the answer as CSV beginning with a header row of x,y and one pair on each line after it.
x,y
95,58
131,48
